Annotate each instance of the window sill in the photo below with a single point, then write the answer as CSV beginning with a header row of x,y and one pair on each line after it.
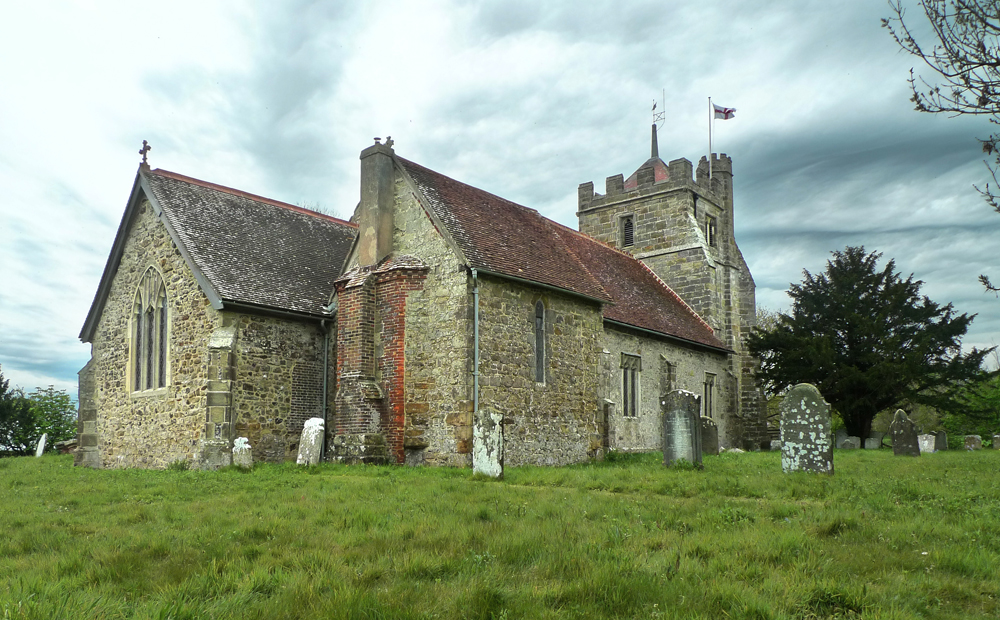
x,y
154,393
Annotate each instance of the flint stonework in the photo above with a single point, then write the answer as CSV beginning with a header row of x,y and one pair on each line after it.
x,y
487,443
904,435
311,442
242,454
681,427
806,440
709,436
973,442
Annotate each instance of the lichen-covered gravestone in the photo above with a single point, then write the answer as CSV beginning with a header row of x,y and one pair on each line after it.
x,y
806,440
775,445
926,443
311,443
487,443
681,427
40,448
973,442
904,435
242,454
709,436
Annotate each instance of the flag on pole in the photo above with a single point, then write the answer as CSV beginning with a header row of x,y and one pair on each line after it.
x,y
724,113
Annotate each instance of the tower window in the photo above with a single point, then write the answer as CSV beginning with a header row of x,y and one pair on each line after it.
x,y
628,231
711,230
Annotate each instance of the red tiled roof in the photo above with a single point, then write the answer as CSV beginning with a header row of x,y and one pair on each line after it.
x,y
504,237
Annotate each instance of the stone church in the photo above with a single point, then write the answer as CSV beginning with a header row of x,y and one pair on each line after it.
x,y
223,314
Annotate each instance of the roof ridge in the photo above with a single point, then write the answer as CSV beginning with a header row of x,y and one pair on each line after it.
x,y
256,198
478,189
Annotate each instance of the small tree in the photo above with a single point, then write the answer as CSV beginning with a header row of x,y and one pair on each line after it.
x,y
868,340
964,52
54,413
17,423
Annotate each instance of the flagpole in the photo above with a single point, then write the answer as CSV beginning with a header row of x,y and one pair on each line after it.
x,y
709,140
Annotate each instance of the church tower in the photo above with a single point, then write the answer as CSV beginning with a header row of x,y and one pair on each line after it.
x,y
679,222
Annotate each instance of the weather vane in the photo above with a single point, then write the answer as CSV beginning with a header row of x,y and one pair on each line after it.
x,y
144,150
658,117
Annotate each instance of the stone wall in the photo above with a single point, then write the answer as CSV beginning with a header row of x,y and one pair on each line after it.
x,y
666,366
278,382
150,428
554,422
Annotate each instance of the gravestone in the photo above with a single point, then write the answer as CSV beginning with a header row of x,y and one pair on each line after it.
x,y
840,437
806,440
242,454
775,445
709,436
681,427
874,441
851,443
40,448
926,443
487,443
973,442
311,442
940,440
996,442
904,435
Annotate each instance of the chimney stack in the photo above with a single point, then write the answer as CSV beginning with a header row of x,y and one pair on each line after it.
x,y
375,223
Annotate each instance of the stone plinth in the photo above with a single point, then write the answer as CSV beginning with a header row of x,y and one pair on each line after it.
x,y
681,427
806,440
311,443
366,449
487,443
214,453
904,435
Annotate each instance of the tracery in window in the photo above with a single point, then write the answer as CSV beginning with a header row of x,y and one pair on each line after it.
x,y
149,333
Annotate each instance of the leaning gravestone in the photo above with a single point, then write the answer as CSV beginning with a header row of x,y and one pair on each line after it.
x,y
681,427
973,442
40,448
926,443
841,436
242,454
806,441
904,435
709,436
851,443
311,442
487,443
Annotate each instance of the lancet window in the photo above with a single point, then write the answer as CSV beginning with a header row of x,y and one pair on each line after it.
x,y
149,333
540,342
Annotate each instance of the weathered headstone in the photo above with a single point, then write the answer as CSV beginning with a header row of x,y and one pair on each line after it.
x,y
840,437
487,443
806,441
40,448
242,454
709,436
681,427
874,440
940,440
851,443
904,435
996,442
973,442
775,445
311,442
926,443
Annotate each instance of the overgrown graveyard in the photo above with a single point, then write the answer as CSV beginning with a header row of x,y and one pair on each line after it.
x,y
885,537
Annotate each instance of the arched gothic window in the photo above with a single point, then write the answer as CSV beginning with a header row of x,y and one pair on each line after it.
x,y
539,342
149,333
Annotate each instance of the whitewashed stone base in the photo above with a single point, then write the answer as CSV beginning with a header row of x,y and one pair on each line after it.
x,y
242,454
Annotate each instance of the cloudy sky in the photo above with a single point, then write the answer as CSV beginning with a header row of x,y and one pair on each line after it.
x,y
524,99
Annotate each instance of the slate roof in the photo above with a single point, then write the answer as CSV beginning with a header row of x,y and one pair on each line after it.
x,y
254,250
503,237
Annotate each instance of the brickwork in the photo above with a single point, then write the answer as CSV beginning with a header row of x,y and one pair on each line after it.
x,y
554,422
666,366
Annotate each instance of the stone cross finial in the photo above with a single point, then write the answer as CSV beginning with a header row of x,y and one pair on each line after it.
x,y
389,142
144,150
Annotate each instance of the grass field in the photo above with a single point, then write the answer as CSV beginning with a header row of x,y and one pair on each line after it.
x,y
886,537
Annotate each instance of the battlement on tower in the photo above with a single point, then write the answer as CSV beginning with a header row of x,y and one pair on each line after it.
x,y
655,177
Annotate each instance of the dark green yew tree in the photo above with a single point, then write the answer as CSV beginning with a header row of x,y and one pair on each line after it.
x,y
868,341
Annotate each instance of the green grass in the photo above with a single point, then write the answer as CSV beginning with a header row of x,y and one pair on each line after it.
x,y
885,537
